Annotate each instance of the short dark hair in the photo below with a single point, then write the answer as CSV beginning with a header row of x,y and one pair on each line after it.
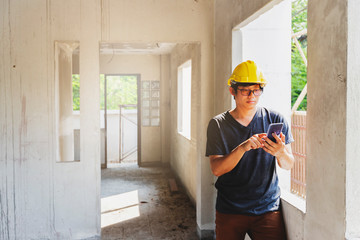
x,y
236,85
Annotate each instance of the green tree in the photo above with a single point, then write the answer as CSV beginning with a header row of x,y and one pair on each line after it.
x,y
120,90
76,92
102,99
298,68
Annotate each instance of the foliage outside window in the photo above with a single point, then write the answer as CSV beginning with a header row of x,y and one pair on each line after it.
x,y
76,92
299,80
298,67
120,90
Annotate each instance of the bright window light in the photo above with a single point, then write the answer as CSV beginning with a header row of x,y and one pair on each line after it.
x,y
119,208
184,99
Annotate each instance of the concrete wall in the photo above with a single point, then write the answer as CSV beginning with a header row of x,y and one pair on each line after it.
x,y
165,116
44,199
353,128
37,201
183,150
39,197
146,65
187,155
326,120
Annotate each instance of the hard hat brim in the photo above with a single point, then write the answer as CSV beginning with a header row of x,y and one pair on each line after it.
x,y
232,81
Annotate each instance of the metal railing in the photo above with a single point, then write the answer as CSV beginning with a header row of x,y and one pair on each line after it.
x,y
298,172
123,153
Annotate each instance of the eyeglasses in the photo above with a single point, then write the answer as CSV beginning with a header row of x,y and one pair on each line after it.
x,y
247,92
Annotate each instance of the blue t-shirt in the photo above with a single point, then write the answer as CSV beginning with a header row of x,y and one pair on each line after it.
x,y
250,188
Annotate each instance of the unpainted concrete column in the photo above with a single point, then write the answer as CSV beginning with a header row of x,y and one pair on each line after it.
x,y
326,120
352,122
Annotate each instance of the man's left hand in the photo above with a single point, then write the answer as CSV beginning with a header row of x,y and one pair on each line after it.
x,y
275,148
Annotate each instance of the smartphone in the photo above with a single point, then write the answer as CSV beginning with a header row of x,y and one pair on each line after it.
x,y
274,128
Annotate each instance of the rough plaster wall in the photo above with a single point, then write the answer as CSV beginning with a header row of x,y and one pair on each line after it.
x,y
24,122
326,119
5,227
77,196
37,202
165,118
353,127
157,20
148,66
183,150
18,123
294,221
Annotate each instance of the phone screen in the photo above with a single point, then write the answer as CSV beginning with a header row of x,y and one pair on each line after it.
x,y
274,128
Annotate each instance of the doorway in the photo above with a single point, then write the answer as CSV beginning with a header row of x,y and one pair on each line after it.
x,y
119,108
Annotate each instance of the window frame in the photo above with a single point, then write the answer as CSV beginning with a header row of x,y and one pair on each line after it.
x,y
184,99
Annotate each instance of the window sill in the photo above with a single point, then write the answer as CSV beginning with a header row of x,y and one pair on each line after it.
x,y
185,135
294,200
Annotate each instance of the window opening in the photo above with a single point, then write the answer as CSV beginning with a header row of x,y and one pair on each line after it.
x,y
184,99
150,101
76,92
67,100
267,40
298,95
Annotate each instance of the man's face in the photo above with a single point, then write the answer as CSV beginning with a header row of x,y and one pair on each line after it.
x,y
247,97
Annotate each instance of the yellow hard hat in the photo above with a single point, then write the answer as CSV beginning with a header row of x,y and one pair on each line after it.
x,y
247,72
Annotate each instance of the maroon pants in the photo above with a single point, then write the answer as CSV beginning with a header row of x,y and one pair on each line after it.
x,y
269,226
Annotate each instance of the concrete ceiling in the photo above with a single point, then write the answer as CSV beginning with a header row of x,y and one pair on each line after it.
x,y
136,48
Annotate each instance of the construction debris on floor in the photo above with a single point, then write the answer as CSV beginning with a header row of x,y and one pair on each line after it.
x,y
145,203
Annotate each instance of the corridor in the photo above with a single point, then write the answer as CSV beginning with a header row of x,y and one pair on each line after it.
x,y
138,203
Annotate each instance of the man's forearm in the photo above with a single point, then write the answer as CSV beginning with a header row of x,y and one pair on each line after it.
x,y
286,159
223,164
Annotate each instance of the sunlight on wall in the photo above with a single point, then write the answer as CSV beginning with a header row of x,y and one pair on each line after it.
x,y
118,208
184,99
267,41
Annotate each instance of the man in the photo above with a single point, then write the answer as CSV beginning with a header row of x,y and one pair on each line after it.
x,y
244,159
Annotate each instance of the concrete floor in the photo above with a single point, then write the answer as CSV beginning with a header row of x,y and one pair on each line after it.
x,y
137,204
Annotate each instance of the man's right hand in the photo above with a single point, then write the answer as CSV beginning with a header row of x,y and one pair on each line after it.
x,y
222,164
254,142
